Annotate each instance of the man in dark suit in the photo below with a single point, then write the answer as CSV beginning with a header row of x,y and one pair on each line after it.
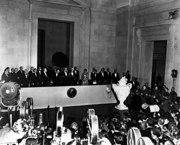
x,y
39,75
108,76
20,75
45,77
128,76
134,83
115,76
25,79
30,74
65,76
93,77
72,77
76,72
57,78
12,75
34,78
101,77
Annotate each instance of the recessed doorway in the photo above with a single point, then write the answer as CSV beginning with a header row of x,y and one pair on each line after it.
x,y
55,36
159,62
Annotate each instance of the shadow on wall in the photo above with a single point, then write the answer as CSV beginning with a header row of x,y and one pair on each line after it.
x,y
60,59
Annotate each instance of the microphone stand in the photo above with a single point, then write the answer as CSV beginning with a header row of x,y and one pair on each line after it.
x,y
10,116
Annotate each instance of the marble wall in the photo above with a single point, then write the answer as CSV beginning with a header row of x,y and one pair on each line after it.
x,y
122,38
14,28
152,23
104,36
94,31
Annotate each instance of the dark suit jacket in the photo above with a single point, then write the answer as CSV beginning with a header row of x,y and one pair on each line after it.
x,y
39,76
44,79
76,72
34,80
101,78
114,78
94,77
57,79
13,77
25,80
20,75
5,77
108,77
30,73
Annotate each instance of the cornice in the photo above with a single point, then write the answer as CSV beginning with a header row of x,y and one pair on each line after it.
x,y
72,3
154,7
158,23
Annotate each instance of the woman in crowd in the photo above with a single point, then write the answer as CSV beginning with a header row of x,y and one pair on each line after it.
x,y
5,76
85,77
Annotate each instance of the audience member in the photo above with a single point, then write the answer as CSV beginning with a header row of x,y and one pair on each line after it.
x,y
12,75
34,80
101,77
76,72
39,76
128,76
115,77
108,76
65,75
173,96
56,77
72,77
94,77
85,77
5,76
30,73
44,77
25,79
20,74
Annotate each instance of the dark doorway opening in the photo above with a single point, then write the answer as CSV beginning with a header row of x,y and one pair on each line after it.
x,y
54,36
159,62
41,47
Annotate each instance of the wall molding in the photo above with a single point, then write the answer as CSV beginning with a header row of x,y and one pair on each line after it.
x,y
155,7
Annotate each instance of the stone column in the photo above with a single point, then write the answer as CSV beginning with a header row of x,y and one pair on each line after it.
x,y
175,47
138,34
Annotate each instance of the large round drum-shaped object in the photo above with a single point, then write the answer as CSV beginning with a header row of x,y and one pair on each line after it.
x,y
9,103
145,141
9,90
133,135
10,94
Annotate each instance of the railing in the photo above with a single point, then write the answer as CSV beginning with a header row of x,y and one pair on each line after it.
x,y
57,96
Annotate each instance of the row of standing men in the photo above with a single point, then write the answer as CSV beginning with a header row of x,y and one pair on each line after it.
x,y
49,77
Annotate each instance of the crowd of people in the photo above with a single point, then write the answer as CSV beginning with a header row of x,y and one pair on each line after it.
x,y
161,124
57,77
155,112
